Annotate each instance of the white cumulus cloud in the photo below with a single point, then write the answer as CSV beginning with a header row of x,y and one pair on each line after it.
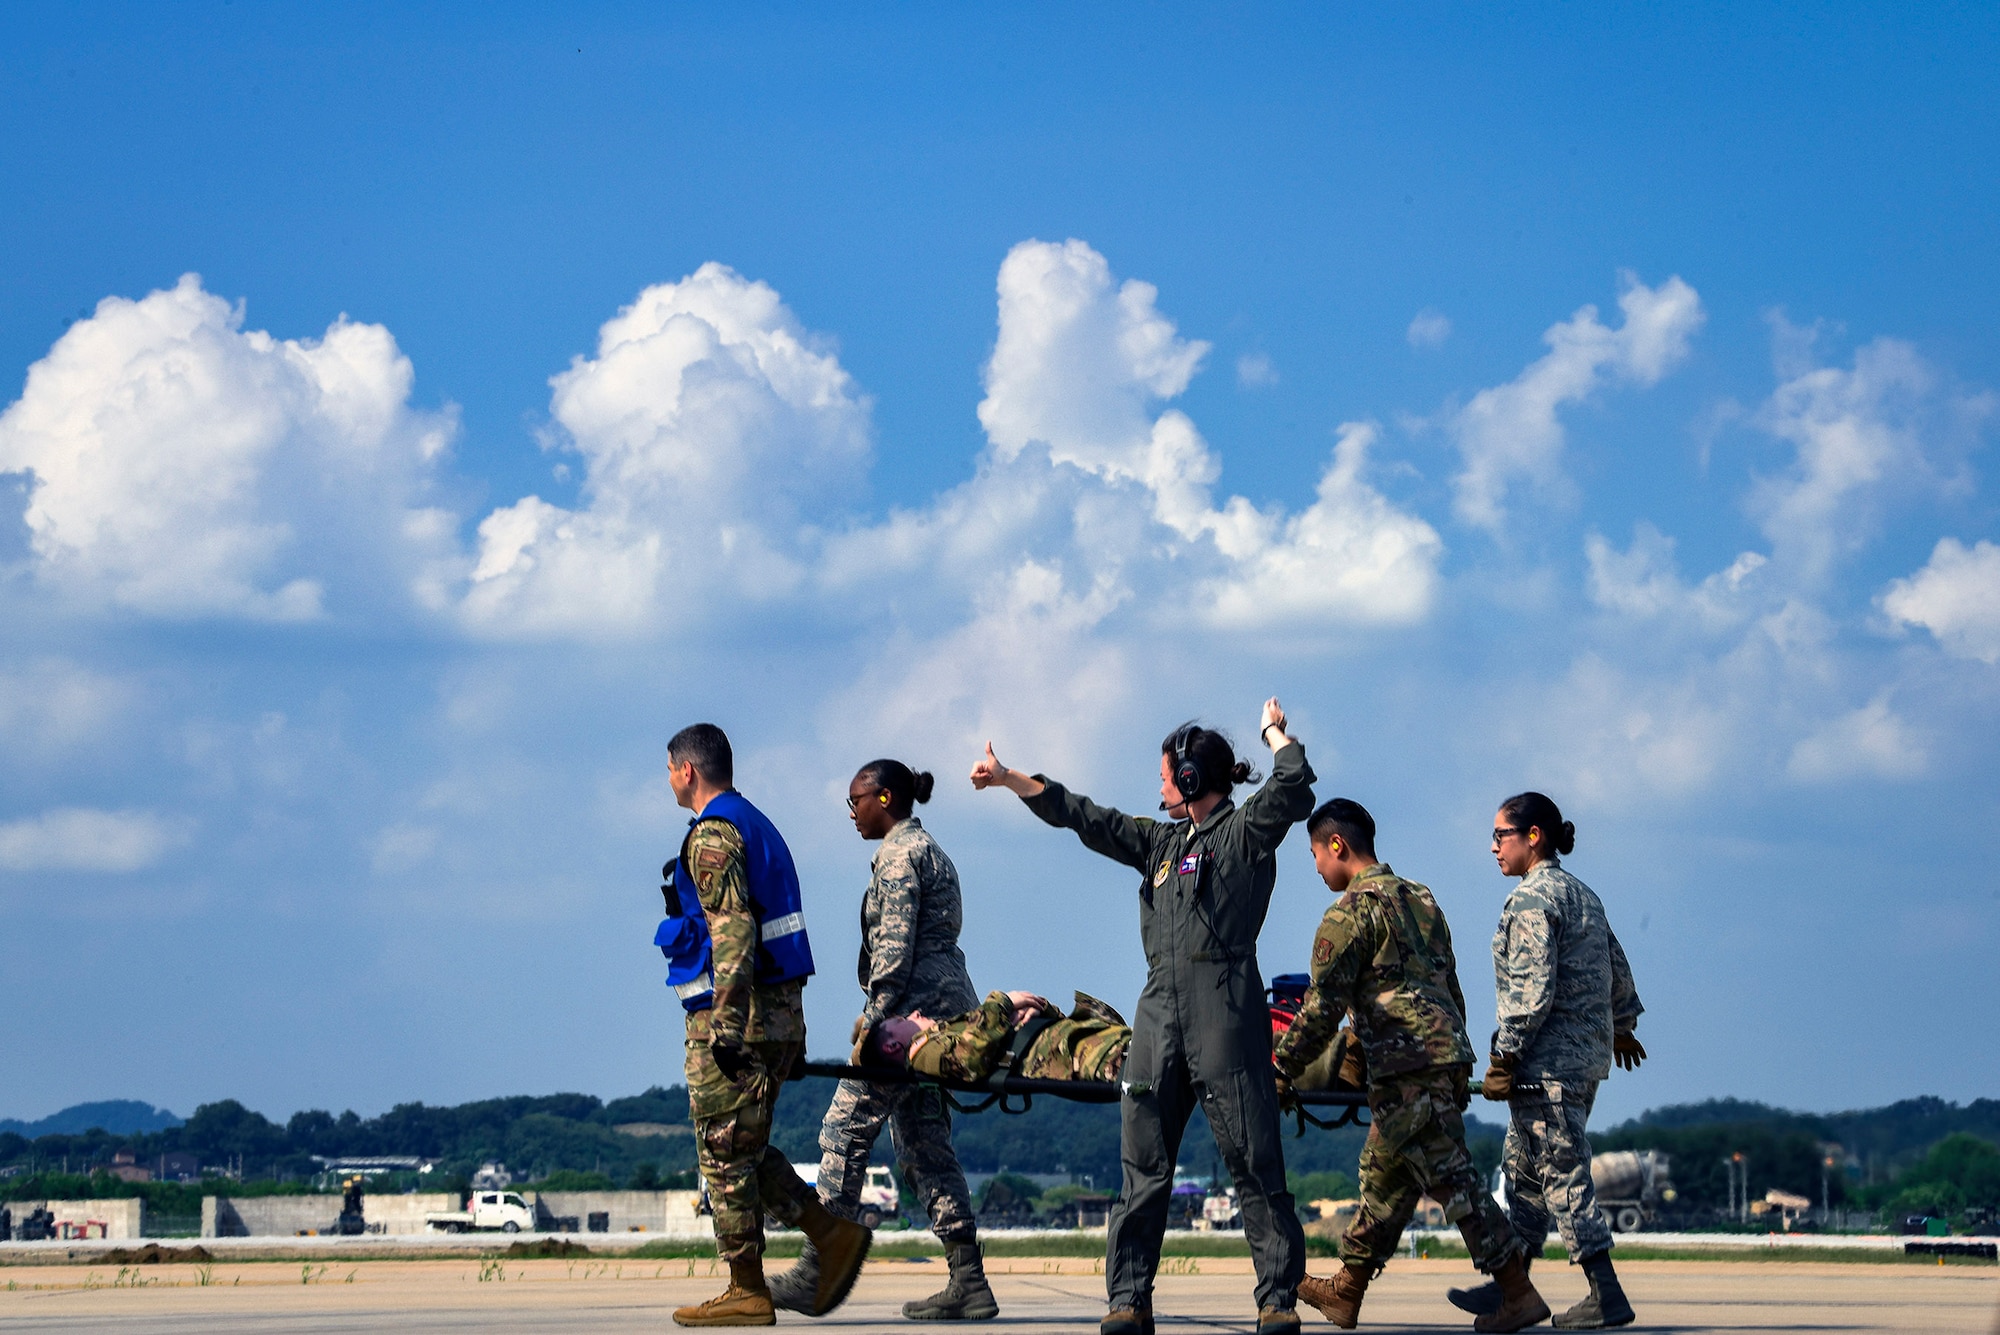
x,y
1349,554
1513,431
1861,435
1956,597
1428,329
85,839
184,467
714,432
1870,742
1644,580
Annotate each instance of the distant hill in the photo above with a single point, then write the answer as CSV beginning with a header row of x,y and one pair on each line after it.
x,y
121,1117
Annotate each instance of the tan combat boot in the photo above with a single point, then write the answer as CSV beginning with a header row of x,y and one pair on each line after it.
x,y
1520,1305
1338,1299
842,1245
746,1302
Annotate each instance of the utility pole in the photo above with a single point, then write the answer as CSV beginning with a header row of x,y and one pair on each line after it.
x,y
1825,1210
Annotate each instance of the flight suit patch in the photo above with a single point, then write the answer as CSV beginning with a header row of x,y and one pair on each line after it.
x,y
1160,876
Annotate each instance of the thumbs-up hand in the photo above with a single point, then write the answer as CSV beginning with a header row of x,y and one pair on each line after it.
x,y
989,770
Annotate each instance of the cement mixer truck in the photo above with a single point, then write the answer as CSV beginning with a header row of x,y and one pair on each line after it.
x,y
1631,1186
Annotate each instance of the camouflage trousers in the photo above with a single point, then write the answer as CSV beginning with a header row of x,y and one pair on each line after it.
x,y
1548,1169
1416,1148
746,1178
920,1129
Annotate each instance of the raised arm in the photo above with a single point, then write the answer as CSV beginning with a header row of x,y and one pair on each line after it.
x,y
1287,796
1105,830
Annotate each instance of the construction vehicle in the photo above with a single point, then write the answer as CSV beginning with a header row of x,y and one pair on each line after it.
x,y
1631,1187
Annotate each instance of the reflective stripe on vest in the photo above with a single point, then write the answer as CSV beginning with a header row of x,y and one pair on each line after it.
x,y
694,987
785,926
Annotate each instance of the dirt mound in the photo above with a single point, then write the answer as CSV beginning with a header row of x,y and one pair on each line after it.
x,y
548,1247
154,1254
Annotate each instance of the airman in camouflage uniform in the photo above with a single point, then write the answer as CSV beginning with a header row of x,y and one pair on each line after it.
x,y
1567,1008
1382,957
910,961
1087,1044
1565,993
736,938
746,1177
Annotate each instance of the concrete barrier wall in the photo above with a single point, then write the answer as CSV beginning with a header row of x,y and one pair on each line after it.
x,y
405,1213
670,1213
122,1218
289,1216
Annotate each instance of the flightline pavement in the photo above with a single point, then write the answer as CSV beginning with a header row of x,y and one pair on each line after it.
x,y
1195,1296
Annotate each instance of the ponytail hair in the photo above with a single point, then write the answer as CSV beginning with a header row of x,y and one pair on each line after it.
x,y
1532,811
1212,754
904,785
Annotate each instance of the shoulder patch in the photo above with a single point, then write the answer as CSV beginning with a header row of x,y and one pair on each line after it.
x,y
1322,950
711,858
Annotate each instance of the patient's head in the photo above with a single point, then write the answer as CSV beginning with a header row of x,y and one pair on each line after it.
x,y
888,1043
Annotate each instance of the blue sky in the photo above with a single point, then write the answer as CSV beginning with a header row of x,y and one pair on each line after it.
x,y
1592,400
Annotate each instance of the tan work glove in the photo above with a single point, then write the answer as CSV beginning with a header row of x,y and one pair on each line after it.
x,y
1288,1098
1627,1050
1499,1083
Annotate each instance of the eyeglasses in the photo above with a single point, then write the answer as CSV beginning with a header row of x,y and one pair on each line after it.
x,y
856,799
1500,832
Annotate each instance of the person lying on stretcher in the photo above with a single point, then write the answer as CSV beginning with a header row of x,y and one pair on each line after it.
x,y
1017,1033
1022,1034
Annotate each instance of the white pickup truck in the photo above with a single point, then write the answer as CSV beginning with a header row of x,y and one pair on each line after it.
x,y
880,1197
487,1210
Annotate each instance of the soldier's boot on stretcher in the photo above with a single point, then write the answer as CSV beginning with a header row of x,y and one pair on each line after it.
x,y
1479,1301
1134,1320
967,1297
746,1302
797,1289
1606,1305
839,1247
1520,1306
1338,1299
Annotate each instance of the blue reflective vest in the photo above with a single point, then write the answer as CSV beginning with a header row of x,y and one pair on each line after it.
x,y
783,952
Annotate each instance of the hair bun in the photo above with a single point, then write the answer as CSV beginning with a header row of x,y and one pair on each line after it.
x,y
922,786
1566,840
1240,772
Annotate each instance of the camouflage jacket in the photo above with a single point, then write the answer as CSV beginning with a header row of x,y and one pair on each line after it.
x,y
1383,956
1087,1044
776,1014
1562,981
910,919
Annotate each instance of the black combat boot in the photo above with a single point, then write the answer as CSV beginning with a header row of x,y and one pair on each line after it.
x,y
1605,1306
1480,1301
966,1297
839,1248
797,1289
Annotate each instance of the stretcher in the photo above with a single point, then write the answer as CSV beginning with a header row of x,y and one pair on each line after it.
x,y
1016,1094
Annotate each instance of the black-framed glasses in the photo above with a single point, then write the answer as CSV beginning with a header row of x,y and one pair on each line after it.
x,y
1502,831
856,799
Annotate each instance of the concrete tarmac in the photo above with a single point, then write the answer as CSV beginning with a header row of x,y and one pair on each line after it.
x,y
1197,1296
